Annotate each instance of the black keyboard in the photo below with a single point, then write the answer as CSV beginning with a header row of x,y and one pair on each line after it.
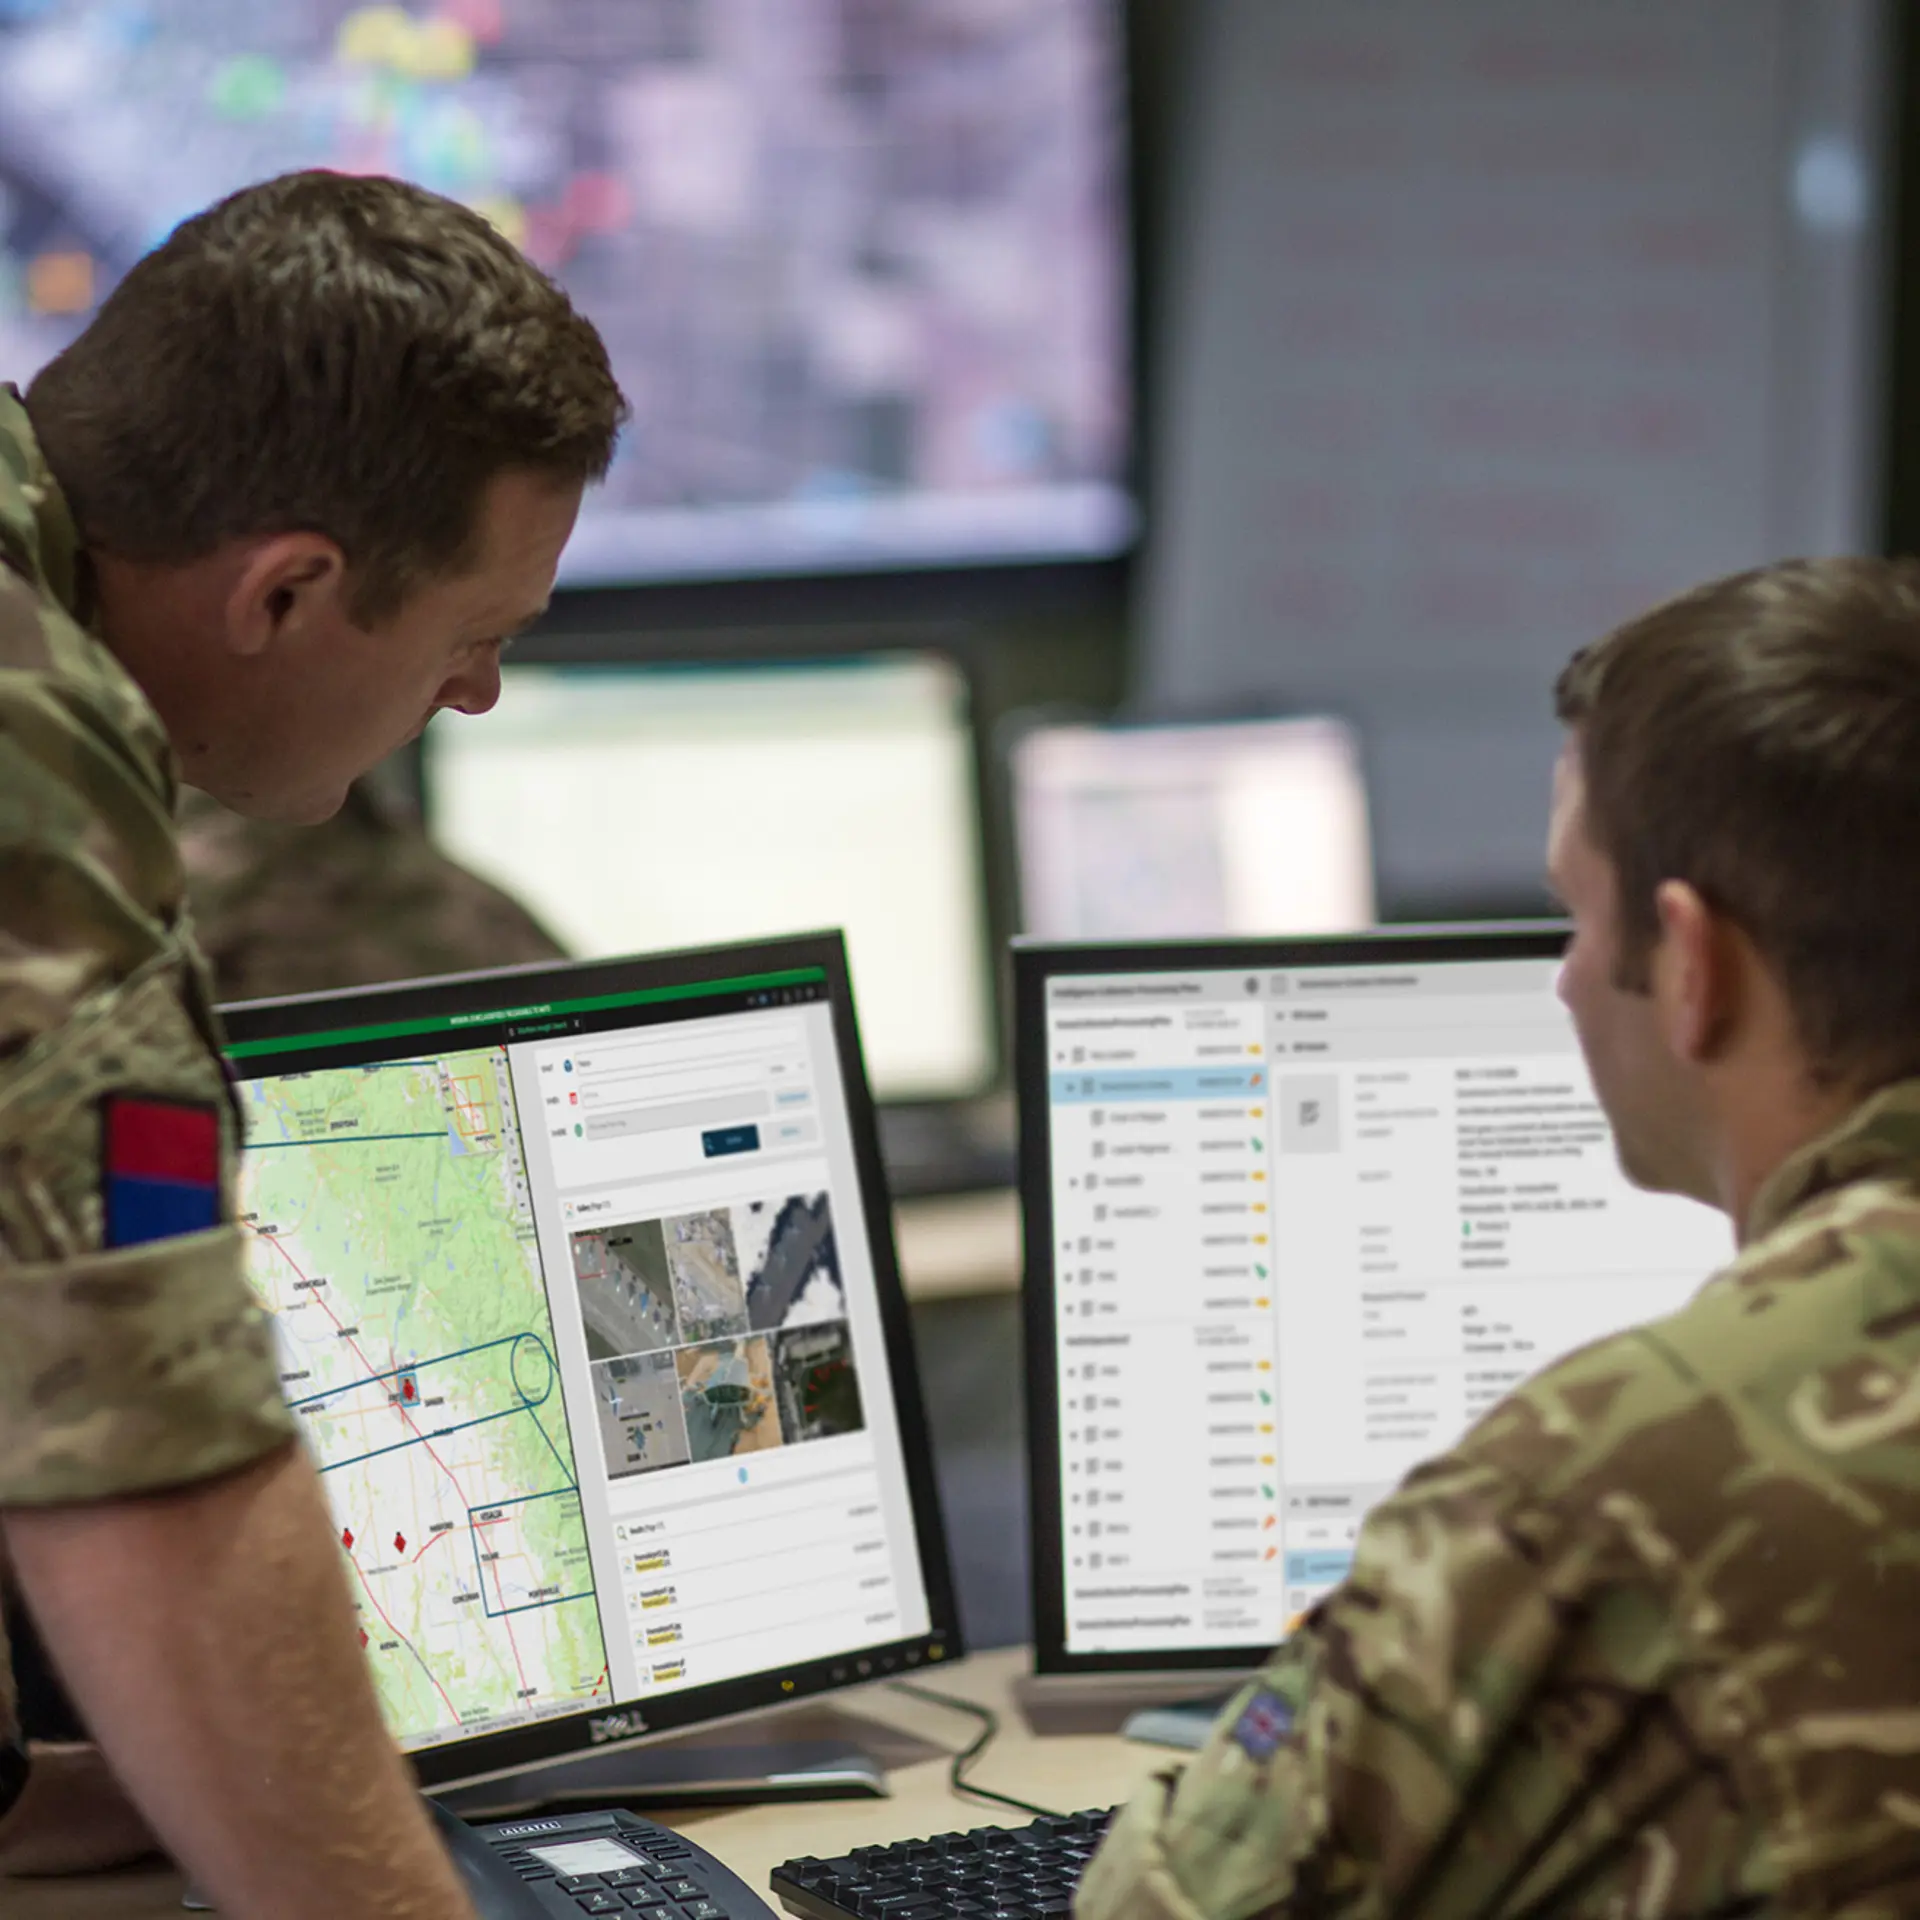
x,y
992,1873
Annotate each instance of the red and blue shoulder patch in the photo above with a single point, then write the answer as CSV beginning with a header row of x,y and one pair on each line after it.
x,y
159,1168
1264,1725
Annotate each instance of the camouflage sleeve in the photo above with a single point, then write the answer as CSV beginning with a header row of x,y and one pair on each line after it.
x,y
123,1367
1391,1760
122,1372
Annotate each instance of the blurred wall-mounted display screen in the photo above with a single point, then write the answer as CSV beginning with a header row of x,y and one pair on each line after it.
x,y
1151,832
860,263
641,808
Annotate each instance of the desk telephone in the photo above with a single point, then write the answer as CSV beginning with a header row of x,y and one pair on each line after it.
x,y
561,1866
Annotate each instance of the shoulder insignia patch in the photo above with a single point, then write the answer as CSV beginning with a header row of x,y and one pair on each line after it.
x,y
1263,1725
159,1168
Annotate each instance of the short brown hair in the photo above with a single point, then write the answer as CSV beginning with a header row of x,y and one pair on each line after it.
x,y
1759,738
327,353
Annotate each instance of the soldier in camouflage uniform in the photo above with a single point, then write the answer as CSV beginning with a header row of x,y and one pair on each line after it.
x,y
363,898
1647,1641
313,460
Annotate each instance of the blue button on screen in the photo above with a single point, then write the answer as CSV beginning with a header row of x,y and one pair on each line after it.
x,y
719,1141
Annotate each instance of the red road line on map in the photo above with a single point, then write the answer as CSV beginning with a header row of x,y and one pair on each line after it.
x,y
505,1616
432,1542
453,1712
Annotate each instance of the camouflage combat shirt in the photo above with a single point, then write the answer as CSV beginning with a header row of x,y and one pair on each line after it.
x,y
121,1369
1644,1646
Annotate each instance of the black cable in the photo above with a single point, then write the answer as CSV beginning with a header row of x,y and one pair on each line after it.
x,y
957,1769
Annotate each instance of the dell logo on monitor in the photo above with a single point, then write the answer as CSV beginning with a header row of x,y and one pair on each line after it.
x,y
615,1726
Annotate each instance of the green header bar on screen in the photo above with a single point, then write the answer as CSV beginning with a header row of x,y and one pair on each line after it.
x,y
496,1016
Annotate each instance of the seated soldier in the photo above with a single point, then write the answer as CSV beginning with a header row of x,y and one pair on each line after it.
x,y
1647,1642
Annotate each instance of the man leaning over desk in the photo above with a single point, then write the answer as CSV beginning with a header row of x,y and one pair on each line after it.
x,y
287,496
1647,1642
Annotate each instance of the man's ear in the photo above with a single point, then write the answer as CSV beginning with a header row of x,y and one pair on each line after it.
x,y
284,582
1695,984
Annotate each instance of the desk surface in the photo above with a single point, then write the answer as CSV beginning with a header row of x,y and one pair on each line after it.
x,y
1066,1773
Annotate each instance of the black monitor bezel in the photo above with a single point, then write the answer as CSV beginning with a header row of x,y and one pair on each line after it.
x,y
1035,964
571,1736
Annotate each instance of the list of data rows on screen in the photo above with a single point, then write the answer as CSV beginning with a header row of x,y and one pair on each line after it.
x,y
1308,1227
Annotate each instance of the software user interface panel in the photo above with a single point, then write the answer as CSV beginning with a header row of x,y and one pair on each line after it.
x,y
1308,1225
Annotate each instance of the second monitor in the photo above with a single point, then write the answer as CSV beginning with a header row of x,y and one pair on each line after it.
x,y
1297,1214
637,808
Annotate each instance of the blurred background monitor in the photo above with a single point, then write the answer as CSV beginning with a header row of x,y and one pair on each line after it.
x,y
643,807
861,267
1143,832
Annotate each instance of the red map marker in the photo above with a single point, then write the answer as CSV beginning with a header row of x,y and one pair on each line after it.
x,y
363,1639
406,1389
346,1538
399,1543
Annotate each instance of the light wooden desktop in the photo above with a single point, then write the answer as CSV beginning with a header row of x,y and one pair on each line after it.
x,y
1066,1773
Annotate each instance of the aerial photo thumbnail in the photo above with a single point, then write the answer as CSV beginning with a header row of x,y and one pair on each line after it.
x,y
626,1289
790,1262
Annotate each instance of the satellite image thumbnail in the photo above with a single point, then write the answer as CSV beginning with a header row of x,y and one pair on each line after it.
x,y
641,1424
726,1392
626,1289
790,1262
814,1377
706,1275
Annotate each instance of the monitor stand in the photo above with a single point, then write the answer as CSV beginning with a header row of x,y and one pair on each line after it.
x,y
646,1779
1184,1723
1124,1702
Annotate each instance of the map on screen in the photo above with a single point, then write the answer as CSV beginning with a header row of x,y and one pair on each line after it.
x,y
859,263
390,1234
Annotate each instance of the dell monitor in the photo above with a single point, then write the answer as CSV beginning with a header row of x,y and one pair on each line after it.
x,y
862,270
636,808
585,1299
1158,831
1297,1213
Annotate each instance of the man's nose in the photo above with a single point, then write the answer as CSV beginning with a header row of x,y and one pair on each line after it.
x,y
475,688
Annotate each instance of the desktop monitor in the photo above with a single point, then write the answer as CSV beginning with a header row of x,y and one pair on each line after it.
x,y
642,807
861,269
585,1298
1149,832
1297,1212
